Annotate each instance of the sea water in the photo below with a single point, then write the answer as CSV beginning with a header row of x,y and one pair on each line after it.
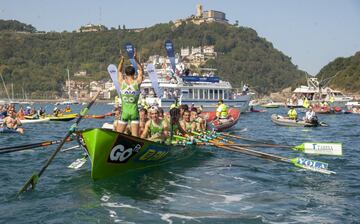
x,y
213,186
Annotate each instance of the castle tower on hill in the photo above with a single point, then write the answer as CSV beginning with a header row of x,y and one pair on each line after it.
x,y
199,10
204,17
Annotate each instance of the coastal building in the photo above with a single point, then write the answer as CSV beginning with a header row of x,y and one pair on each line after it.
x,y
204,17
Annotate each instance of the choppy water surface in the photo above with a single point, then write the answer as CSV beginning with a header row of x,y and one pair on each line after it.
x,y
215,186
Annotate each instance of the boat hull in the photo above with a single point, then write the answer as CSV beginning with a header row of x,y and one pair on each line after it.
x,y
211,115
65,117
113,153
280,120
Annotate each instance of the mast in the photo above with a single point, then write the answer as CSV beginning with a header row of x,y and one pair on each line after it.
x,y
68,83
12,90
7,93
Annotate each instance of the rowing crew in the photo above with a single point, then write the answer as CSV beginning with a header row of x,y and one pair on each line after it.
x,y
155,125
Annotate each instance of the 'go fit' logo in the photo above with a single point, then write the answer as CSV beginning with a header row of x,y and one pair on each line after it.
x,y
119,154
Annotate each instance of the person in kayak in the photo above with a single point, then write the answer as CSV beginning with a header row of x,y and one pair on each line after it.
x,y
155,129
130,93
12,122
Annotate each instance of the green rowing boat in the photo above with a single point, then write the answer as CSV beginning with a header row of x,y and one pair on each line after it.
x,y
113,153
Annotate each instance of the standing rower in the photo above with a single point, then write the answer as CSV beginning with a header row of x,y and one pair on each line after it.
x,y
130,92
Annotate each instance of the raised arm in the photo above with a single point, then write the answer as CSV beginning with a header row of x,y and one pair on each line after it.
x,y
140,76
120,68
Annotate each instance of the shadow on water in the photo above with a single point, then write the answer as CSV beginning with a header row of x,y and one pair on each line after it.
x,y
149,183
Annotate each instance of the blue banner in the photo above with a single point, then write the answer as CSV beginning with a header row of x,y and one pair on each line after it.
x,y
200,79
130,50
170,53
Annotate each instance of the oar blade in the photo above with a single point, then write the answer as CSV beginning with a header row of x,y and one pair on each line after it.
x,y
78,163
312,165
33,180
333,149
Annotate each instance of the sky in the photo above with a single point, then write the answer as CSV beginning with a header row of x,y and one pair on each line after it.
x,y
311,32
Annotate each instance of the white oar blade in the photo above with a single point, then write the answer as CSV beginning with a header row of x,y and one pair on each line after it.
x,y
78,163
334,149
312,165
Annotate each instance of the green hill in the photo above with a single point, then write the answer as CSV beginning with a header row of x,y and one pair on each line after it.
x,y
343,74
36,62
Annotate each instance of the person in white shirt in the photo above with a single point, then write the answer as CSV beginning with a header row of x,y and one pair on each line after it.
x,y
310,115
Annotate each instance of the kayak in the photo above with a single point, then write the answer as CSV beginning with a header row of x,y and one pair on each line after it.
x,y
30,121
64,117
113,153
95,116
283,121
211,115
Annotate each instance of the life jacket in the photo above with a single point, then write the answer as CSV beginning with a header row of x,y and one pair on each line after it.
x,y
292,114
222,111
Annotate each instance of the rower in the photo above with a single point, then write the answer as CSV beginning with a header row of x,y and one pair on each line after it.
x,y
186,123
130,93
12,122
143,115
222,110
155,129
199,121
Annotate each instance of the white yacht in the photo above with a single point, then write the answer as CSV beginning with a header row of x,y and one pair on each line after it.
x,y
315,93
202,91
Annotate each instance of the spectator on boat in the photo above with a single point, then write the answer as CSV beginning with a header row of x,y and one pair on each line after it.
x,y
245,89
130,93
306,103
155,129
186,123
12,122
187,72
20,114
222,110
310,115
3,112
292,114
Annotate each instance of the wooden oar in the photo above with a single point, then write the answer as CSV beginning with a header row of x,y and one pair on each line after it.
x,y
30,146
35,177
312,165
318,148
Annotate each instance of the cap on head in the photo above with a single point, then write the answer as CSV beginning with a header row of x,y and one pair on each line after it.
x,y
220,101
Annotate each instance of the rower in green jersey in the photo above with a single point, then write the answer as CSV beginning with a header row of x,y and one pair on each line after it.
x,y
130,92
155,129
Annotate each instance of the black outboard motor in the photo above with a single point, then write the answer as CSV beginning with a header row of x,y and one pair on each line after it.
x,y
315,121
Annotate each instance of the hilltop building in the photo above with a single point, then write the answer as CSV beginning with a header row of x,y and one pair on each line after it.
x,y
91,28
204,17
